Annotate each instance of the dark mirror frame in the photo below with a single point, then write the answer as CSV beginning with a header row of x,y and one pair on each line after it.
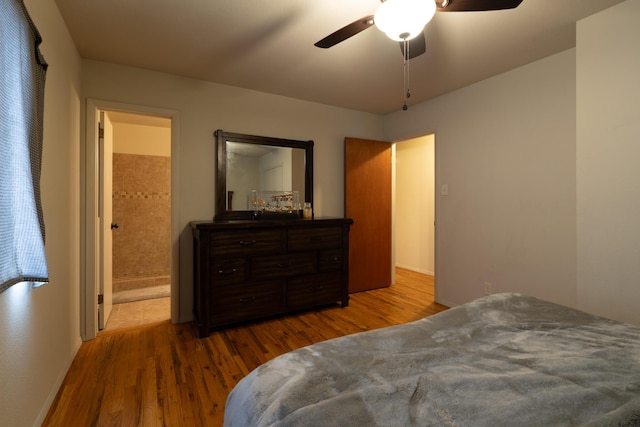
x,y
221,137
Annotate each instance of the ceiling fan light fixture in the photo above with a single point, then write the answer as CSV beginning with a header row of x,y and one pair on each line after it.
x,y
404,19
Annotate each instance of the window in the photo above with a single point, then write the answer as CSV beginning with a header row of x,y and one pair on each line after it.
x,y
22,77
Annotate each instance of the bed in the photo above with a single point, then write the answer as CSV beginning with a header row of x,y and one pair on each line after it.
x,y
501,360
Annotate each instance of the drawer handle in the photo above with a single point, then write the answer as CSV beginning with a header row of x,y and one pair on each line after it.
x,y
316,288
247,299
283,265
316,238
226,272
247,242
331,259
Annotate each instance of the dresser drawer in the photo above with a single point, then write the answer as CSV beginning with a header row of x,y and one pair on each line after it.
x,y
283,265
234,243
314,290
246,301
299,239
228,271
330,260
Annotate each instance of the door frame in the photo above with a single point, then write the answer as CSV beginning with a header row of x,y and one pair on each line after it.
x,y
89,227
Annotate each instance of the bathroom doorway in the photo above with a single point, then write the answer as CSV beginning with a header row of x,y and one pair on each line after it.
x,y
141,219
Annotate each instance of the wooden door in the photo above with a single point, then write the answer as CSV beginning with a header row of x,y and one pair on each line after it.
x,y
105,141
368,203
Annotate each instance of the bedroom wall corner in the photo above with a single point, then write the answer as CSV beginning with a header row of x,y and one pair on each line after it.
x,y
608,131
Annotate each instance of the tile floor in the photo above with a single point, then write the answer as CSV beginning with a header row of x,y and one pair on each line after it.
x,y
138,294
137,313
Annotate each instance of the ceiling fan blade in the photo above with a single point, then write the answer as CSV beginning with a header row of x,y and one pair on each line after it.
x,y
345,32
417,46
475,5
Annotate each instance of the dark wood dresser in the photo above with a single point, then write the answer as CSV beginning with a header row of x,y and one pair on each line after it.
x,y
251,269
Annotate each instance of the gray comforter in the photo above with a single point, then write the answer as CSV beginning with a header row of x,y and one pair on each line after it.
x,y
502,360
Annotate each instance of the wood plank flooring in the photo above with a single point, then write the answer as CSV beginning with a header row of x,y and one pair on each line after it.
x,y
163,375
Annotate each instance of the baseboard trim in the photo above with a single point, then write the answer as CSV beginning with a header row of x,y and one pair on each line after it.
x,y
417,270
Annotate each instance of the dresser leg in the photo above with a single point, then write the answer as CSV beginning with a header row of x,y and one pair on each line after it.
x,y
345,300
203,331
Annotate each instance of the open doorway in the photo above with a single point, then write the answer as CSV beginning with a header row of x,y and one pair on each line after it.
x,y
399,179
414,209
140,192
95,225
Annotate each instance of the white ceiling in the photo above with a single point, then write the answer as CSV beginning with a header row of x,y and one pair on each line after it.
x,y
268,45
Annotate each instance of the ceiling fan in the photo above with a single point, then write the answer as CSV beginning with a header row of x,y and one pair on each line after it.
x,y
404,20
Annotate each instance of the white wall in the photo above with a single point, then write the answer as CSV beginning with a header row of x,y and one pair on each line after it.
x,y
415,204
129,138
506,149
205,107
39,328
608,153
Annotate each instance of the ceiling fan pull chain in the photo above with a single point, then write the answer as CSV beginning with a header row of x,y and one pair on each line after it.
x,y
408,59
406,93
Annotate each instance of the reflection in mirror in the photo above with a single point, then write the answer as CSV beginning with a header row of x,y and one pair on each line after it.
x,y
258,174
268,170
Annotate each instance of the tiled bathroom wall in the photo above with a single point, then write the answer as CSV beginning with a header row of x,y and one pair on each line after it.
x,y
142,210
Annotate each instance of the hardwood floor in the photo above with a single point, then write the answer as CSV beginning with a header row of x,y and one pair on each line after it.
x,y
162,374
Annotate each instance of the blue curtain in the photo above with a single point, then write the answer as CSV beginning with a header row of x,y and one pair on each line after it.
x,y
22,78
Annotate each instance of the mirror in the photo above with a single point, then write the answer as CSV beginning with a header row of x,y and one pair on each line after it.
x,y
254,170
